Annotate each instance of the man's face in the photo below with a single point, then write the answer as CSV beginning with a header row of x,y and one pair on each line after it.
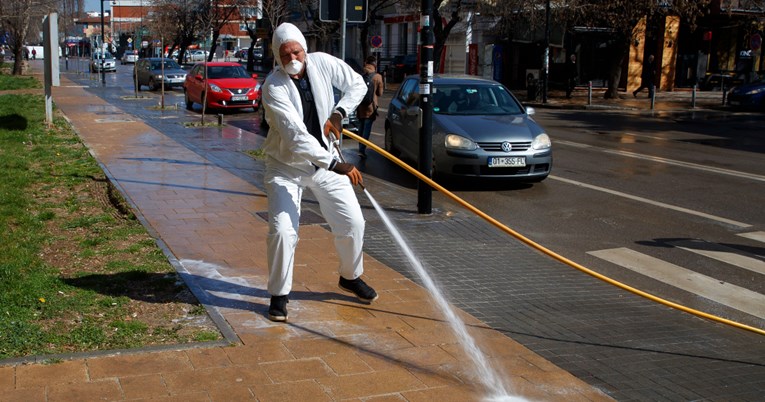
x,y
291,51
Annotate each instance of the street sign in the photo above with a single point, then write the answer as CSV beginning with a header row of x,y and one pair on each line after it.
x,y
355,10
755,41
376,41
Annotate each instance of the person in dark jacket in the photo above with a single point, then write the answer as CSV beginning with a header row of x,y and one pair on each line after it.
x,y
572,75
648,78
367,112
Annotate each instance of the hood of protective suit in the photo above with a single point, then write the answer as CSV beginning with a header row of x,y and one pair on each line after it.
x,y
284,33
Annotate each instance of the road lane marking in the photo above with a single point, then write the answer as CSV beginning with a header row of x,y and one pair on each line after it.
x,y
758,236
652,202
733,296
721,253
658,159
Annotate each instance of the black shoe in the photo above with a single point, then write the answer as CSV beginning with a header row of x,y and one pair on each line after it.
x,y
359,288
278,309
362,155
634,94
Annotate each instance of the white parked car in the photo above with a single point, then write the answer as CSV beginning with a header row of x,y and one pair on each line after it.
x,y
130,56
196,55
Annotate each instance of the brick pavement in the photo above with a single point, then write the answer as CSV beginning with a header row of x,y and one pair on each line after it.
x,y
333,348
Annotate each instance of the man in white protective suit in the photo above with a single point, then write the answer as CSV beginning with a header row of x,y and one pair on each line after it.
x,y
301,112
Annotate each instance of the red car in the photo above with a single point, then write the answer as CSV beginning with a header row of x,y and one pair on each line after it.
x,y
229,86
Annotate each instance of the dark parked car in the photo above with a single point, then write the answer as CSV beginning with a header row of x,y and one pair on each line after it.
x,y
155,71
401,66
479,130
748,96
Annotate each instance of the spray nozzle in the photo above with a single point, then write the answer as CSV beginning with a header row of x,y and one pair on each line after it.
x,y
336,144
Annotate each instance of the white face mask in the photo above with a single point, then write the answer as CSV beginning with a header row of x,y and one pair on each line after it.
x,y
293,67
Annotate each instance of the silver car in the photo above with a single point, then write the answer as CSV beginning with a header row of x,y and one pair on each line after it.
x,y
479,130
103,61
130,56
155,71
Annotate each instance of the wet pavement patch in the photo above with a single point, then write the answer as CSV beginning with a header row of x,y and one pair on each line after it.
x,y
115,120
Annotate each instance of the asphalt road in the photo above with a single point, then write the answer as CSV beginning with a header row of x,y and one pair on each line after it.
x,y
670,203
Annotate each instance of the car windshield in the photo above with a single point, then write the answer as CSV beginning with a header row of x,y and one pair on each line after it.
x,y
169,65
227,72
474,99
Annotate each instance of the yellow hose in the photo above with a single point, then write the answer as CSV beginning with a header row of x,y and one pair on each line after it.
x,y
544,250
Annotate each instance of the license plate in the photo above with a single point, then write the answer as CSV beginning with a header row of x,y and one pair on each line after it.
x,y
239,98
507,161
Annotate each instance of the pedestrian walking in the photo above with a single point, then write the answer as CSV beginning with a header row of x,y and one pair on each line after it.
x,y
34,54
302,115
647,78
367,110
572,75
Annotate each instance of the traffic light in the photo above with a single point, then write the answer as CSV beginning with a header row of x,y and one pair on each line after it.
x,y
355,10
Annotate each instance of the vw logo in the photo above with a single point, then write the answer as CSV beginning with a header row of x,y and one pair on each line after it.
x,y
506,146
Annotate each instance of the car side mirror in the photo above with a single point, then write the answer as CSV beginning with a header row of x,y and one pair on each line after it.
x,y
254,75
530,111
198,76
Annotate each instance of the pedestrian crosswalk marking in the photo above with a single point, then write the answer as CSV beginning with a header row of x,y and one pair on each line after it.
x,y
722,254
759,236
739,298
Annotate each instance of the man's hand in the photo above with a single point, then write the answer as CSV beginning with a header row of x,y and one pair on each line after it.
x,y
334,124
349,170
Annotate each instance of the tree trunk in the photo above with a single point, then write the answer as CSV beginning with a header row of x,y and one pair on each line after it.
x,y
615,70
251,51
364,42
213,45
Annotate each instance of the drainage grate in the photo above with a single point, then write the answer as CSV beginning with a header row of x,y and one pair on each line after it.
x,y
306,218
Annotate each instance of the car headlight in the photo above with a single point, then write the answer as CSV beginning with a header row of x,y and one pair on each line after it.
x,y
542,141
158,76
755,91
454,141
215,88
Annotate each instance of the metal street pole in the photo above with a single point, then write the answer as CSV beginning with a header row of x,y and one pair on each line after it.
x,y
343,16
424,192
546,61
103,43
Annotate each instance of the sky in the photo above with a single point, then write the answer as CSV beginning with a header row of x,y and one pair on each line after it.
x,y
94,5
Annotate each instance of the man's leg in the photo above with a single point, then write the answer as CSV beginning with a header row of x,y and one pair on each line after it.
x,y
283,219
342,211
366,132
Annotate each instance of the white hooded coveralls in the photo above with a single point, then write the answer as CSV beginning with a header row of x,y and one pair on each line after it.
x,y
295,160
